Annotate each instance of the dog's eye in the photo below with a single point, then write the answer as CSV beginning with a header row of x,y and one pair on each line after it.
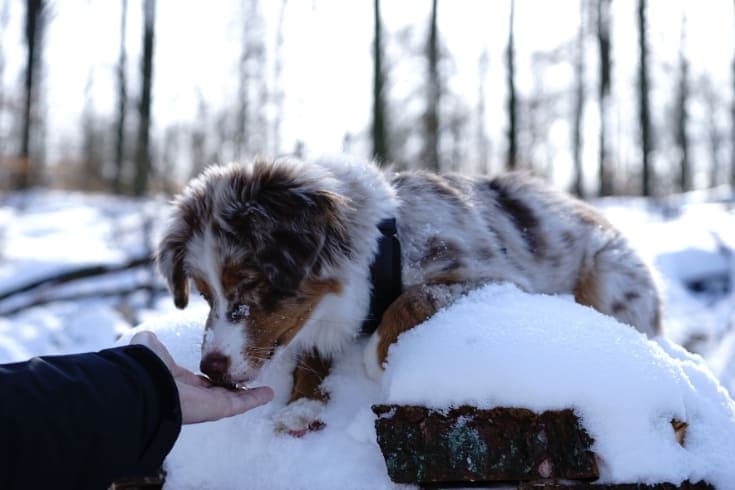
x,y
239,312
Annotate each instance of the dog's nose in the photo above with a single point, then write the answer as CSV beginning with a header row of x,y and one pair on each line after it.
x,y
215,365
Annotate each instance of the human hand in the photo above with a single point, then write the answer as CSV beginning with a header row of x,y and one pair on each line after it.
x,y
201,401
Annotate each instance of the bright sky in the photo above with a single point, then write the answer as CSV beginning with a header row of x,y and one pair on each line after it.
x,y
327,58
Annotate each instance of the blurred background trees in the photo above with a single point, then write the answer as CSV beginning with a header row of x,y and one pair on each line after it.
x,y
621,99
30,157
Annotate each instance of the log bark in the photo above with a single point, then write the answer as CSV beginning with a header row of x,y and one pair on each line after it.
x,y
470,447
467,444
685,485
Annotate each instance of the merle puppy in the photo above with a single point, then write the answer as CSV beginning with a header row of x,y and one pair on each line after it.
x,y
282,252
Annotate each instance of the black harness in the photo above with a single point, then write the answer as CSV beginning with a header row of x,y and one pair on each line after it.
x,y
385,275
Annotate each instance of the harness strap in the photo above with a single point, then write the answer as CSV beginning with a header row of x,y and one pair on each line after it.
x,y
385,275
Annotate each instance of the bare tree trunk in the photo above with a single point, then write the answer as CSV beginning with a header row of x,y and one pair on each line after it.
x,y
512,157
251,130
606,187
682,115
430,157
278,95
732,129
713,103
198,138
93,143
3,25
170,158
34,38
122,102
579,100
379,129
644,101
143,166
243,88
263,93
483,145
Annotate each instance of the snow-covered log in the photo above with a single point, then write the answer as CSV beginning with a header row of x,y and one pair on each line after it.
x,y
467,444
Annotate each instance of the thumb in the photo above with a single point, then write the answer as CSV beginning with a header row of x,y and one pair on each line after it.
x,y
150,340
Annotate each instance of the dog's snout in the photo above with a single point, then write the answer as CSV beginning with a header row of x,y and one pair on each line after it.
x,y
215,365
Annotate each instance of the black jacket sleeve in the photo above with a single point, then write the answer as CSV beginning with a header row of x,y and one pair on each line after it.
x,y
81,421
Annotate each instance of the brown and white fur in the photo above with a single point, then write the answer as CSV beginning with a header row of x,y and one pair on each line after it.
x,y
281,250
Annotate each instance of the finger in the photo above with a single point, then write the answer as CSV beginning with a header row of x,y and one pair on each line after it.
x,y
209,404
246,400
179,373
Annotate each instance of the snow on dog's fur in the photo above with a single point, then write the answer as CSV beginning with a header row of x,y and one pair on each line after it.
x,y
281,250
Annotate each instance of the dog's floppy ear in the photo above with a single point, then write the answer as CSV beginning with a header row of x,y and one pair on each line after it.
x,y
170,259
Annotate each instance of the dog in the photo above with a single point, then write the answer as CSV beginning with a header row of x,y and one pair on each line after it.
x,y
283,253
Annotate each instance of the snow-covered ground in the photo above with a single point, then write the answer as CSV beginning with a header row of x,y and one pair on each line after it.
x,y
536,351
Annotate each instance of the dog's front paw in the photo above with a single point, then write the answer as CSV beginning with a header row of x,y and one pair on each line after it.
x,y
299,417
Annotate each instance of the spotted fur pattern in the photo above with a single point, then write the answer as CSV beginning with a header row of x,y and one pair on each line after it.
x,y
281,251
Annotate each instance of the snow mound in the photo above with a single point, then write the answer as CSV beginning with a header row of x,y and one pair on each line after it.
x,y
497,346
246,452
501,347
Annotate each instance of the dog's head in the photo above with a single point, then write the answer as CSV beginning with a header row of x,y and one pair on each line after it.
x,y
262,243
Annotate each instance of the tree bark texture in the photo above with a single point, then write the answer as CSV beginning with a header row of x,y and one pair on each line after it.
x,y
468,447
431,157
732,127
579,101
644,102
604,20
379,129
467,444
511,161
143,166
682,115
122,102
33,36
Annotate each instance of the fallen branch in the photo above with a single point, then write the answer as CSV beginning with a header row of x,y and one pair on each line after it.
x,y
76,274
158,289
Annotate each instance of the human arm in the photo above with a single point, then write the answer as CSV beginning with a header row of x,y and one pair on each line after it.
x,y
83,420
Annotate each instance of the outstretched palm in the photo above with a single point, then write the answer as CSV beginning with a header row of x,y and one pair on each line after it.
x,y
201,401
